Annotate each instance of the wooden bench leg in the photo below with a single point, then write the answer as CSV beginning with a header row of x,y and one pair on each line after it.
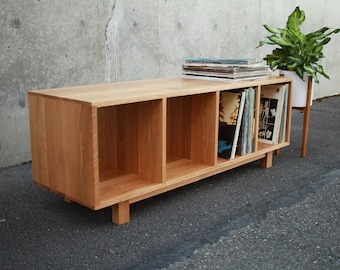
x,y
67,200
267,161
121,213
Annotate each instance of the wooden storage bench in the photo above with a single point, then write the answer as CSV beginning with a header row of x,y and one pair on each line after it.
x,y
119,143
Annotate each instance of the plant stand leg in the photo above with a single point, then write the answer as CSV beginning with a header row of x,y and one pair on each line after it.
x,y
267,161
121,213
306,116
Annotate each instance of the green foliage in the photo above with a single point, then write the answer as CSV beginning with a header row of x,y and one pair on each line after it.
x,y
297,52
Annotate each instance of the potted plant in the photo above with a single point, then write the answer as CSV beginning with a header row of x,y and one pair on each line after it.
x,y
297,52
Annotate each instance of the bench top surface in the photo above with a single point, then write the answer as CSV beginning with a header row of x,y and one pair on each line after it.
x,y
102,95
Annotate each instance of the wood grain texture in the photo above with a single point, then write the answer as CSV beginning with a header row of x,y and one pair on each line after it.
x,y
104,95
63,147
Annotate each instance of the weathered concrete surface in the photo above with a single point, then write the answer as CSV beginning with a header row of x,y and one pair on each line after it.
x,y
294,235
47,44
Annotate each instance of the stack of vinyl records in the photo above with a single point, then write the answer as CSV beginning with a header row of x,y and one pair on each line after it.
x,y
224,69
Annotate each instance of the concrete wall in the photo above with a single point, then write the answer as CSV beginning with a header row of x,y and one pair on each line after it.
x,y
47,44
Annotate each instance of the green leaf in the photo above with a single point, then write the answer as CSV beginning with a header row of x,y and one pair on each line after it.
x,y
271,57
295,36
280,41
309,69
321,34
272,29
325,41
275,63
318,49
294,59
296,19
262,42
299,71
292,66
321,71
315,77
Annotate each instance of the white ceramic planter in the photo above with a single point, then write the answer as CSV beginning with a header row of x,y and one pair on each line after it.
x,y
299,91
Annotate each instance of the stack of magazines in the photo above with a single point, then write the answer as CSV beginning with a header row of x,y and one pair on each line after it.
x,y
224,69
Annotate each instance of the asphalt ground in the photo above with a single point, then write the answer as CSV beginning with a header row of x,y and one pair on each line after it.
x,y
284,217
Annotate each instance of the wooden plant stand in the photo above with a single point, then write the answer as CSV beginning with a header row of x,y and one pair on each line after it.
x,y
116,144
